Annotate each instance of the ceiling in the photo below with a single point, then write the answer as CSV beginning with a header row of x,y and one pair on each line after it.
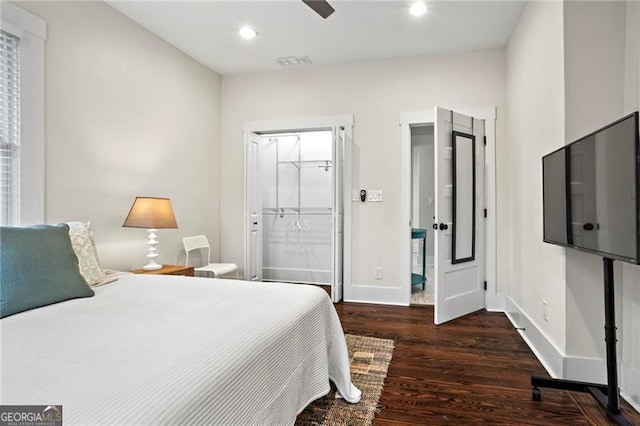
x,y
357,31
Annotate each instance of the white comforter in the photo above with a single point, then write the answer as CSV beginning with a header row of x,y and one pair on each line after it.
x,y
169,349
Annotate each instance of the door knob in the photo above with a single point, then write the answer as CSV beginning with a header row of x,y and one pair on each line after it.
x,y
435,226
587,226
444,226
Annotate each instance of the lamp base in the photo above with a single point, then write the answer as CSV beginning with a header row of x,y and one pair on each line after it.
x,y
152,266
152,242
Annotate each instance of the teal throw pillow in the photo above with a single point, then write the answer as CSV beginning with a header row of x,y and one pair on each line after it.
x,y
38,267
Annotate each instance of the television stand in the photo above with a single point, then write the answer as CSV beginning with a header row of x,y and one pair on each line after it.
x,y
606,395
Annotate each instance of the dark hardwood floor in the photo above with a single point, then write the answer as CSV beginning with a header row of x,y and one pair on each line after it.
x,y
473,370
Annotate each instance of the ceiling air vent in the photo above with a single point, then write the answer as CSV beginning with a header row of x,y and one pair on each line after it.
x,y
286,61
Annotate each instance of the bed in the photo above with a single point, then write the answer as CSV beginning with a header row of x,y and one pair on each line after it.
x,y
174,350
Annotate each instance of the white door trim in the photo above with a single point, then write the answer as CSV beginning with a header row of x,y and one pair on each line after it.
x,y
493,301
310,123
293,124
250,169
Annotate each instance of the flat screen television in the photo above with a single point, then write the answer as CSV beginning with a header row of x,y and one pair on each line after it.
x,y
591,192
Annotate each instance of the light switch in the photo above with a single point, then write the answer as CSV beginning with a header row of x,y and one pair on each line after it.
x,y
375,196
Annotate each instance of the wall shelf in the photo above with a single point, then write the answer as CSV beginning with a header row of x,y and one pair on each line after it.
x,y
299,164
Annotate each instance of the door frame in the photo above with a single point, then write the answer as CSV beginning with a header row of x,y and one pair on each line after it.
x,y
303,124
493,300
248,141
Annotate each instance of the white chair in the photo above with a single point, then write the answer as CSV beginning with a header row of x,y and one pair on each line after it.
x,y
200,242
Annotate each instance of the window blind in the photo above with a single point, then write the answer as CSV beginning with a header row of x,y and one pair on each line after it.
x,y
9,129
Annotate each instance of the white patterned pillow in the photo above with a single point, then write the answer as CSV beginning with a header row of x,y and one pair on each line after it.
x,y
81,236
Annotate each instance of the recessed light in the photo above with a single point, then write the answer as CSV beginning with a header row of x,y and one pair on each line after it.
x,y
247,33
418,9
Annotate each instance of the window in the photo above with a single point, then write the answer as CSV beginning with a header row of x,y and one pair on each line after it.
x,y
9,129
22,132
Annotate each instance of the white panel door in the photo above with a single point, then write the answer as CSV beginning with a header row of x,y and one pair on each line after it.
x,y
337,214
459,287
253,210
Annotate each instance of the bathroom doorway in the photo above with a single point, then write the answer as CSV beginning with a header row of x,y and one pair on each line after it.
x,y
463,222
422,213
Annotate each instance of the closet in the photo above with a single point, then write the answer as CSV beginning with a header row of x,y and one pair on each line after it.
x,y
297,227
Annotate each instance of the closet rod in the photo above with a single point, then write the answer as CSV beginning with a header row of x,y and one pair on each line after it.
x,y
296,209
324,162
281,135
298,213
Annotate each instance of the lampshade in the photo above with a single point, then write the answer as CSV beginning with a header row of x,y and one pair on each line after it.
x,y
151,213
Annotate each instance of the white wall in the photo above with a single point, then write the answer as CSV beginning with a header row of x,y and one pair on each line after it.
x,y
535,99
376,93
632,57
572,68
126,115
602,79
631,274
594,43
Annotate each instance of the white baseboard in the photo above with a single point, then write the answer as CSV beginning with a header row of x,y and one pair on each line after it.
x,y
377,295
546,352
559,365
592,370
629,382
374,302
495,303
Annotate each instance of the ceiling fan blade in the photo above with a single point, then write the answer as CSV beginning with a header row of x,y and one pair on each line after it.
x,y
321,7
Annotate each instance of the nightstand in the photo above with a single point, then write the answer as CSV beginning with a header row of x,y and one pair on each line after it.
x,y
169,270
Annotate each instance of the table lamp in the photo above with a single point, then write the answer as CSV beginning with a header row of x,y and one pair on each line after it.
x,y
151,213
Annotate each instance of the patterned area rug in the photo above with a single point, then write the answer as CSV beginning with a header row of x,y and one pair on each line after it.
x,y
370,358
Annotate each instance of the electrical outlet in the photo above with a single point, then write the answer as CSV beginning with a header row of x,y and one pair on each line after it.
x,y
545,310
377,273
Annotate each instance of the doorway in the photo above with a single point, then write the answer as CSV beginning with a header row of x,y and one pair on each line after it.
x,y
296,186
463,223
294,205
422,213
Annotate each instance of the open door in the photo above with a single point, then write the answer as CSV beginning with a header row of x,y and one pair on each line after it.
x,y
253,210
339,135
459,228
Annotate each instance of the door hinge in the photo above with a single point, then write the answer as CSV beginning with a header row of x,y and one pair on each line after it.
x,y
484,139
485,285
485,212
